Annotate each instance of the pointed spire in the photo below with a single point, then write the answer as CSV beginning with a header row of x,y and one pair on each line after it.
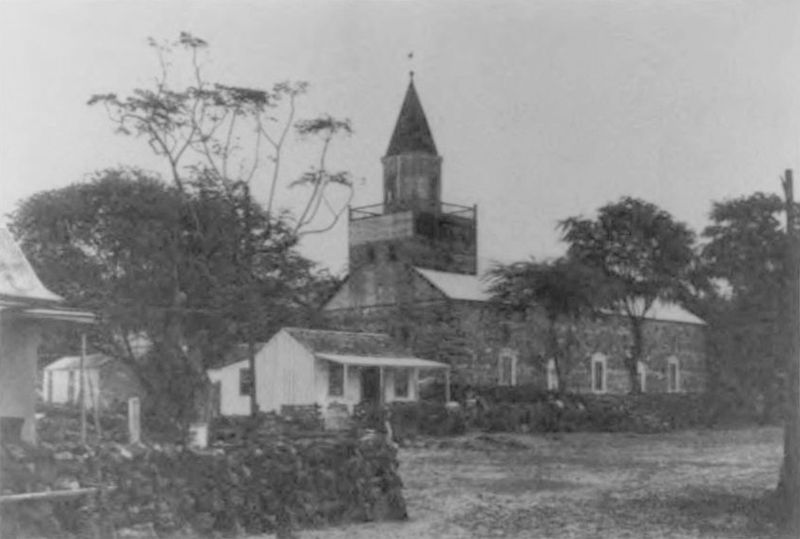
x,y
411,133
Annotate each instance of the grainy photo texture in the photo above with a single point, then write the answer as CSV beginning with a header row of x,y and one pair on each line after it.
x,y
365,269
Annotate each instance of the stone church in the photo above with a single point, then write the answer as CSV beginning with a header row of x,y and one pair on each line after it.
x,y
414,274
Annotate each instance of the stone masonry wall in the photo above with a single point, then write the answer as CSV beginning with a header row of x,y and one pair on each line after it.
x,y
472,335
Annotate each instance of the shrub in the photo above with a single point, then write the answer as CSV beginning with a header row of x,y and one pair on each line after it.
x,y
410,419
253,487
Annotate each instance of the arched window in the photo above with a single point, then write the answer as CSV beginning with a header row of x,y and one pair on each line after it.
x,y
641,370
552,375
599,373
507,367
673,375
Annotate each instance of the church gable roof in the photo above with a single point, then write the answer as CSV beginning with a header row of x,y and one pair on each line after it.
x,y
462,287
456,285
411,132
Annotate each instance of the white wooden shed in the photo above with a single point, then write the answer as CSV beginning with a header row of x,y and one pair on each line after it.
x,y
106,381
309,366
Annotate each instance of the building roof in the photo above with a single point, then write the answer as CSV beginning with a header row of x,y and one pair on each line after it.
x,y
411,132
399,362
456,285
319,341
238,353
17,278
462,287
69,363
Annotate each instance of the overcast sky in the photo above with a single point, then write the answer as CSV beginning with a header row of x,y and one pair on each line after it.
x,y
541,110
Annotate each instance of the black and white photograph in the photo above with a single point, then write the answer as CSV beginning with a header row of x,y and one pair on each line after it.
x,y
424,269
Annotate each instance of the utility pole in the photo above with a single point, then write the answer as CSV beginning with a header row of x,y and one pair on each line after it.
x,y
790,480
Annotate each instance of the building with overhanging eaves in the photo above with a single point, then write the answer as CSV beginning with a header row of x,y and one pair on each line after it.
x,y
413,273
27,309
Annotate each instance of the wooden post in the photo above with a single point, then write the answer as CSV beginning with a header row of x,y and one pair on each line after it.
x,y
790,476
344,381
134,420
447,385
2,451
82,390
381,387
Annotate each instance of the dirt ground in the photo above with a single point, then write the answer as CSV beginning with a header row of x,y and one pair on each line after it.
x,y
582,485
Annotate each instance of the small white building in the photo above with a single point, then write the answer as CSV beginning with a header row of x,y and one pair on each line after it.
x,y
106,381
309,366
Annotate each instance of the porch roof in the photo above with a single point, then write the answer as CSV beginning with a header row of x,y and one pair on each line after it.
x,y
394,362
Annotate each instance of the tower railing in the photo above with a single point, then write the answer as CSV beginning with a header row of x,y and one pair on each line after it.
x,y
444,208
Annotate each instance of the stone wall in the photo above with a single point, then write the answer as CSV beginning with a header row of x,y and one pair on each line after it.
x,y
471,336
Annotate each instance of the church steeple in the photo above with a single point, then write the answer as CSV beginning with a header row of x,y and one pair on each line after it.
x,y
411,167
411,132
412,226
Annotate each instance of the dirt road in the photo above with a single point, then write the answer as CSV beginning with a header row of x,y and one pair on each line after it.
x,y
680,485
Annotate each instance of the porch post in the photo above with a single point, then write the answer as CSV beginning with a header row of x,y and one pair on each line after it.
x,y
82,390
447,385
382,387
344,382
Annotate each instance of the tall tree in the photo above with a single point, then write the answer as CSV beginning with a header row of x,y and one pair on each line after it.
x,y
234,137
563,289
108,244
643,253
744,254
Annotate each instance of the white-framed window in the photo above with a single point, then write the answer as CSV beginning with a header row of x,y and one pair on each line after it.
x,y
673,375
599,373
507,368
245,381
641,370
552,375
335,379
401,383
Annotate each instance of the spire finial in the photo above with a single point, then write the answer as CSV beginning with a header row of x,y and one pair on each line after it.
x,y
410,61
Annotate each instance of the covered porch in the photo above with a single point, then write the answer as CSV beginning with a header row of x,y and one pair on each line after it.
x,y
354,378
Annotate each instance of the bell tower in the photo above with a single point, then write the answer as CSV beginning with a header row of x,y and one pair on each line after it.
x,y
412,169
412,225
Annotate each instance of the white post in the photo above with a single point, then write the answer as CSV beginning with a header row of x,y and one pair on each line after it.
x,y
381,387
134,420
82,391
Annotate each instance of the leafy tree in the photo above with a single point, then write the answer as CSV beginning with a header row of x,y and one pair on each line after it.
x,y
744,254
231,137
563,289
118,243
643,255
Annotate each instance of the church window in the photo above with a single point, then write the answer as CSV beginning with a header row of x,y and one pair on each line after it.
x,y
641,370
552,375
599,374
507,368
391,253
371,254
673,375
